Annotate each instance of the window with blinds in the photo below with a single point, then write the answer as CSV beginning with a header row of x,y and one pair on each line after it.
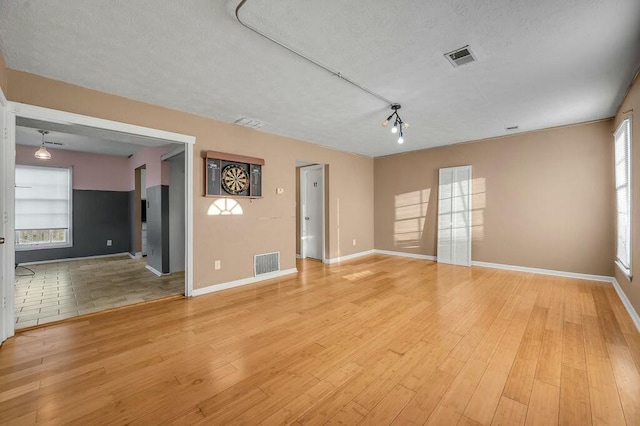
x,y
622,140
43,207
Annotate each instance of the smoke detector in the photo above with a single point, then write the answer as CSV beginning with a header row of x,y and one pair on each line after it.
x,y
250,122
460,56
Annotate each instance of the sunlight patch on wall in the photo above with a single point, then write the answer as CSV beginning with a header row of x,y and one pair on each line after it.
x,y
410,217
224,207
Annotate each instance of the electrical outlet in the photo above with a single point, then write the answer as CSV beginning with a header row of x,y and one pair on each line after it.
x,y
216,265
109,243
279,191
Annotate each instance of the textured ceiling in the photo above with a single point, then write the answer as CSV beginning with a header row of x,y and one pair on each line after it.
x,y
540,63
83,139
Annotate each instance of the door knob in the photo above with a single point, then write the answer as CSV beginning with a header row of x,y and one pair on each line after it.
x,y
1,240
306,218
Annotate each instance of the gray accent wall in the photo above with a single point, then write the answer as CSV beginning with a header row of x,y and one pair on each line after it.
x,y
158,228
131,223
98,216
176,213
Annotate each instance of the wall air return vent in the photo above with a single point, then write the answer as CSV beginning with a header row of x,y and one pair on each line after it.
x,y
266,263
460,56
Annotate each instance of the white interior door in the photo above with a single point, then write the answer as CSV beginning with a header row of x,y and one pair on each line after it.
x,y
454,215
312,197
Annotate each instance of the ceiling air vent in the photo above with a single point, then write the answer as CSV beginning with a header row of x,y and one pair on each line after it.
x,y
250,122
460,56
53,143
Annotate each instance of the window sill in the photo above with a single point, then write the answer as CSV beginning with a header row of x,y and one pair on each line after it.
x,y
626,271
30,247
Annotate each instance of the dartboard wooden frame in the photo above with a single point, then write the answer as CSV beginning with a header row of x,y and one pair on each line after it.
x,y
230,175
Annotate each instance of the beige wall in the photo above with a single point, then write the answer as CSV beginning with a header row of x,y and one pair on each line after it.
x,y
3,75
268,224
632,289
542,199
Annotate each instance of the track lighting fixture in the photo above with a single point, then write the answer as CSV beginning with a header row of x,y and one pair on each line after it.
x,y
42,153
399,126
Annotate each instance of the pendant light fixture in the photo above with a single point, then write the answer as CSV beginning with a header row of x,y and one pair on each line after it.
x,y
399,126
42,153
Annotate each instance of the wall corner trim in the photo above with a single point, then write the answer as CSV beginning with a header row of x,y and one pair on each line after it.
x,y
241,282
348,257
403,254
154,270
627,304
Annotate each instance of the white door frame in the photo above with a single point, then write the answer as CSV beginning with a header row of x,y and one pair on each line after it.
x,y
303,202
16,109
7,152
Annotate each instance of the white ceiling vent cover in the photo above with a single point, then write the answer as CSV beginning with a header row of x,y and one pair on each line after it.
x,y
251,123
266,263
460,56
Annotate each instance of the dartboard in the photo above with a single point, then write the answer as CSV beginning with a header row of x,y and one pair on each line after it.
x,y
234,179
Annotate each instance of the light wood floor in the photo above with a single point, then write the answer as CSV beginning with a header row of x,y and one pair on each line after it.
x,y
376,341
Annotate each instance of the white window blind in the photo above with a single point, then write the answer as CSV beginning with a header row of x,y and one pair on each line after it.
x,y
622,140
43,202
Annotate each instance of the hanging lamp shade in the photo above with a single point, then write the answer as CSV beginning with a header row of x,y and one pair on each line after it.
x,y
42,153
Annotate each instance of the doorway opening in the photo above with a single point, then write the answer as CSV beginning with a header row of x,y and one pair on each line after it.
x,y
311,215
114,169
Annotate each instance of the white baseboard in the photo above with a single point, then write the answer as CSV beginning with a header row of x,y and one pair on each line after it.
x,y
348,257
298,256
603,278
627,304
138,255
244,281
403,254
564,274
70,259
154,270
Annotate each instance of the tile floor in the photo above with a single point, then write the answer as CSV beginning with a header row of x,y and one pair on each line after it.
x,y
66,289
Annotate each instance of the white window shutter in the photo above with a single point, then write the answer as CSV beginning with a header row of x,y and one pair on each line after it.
x,y
622,147
454,215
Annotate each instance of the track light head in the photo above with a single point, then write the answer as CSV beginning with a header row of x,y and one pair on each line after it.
x,y
398,125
